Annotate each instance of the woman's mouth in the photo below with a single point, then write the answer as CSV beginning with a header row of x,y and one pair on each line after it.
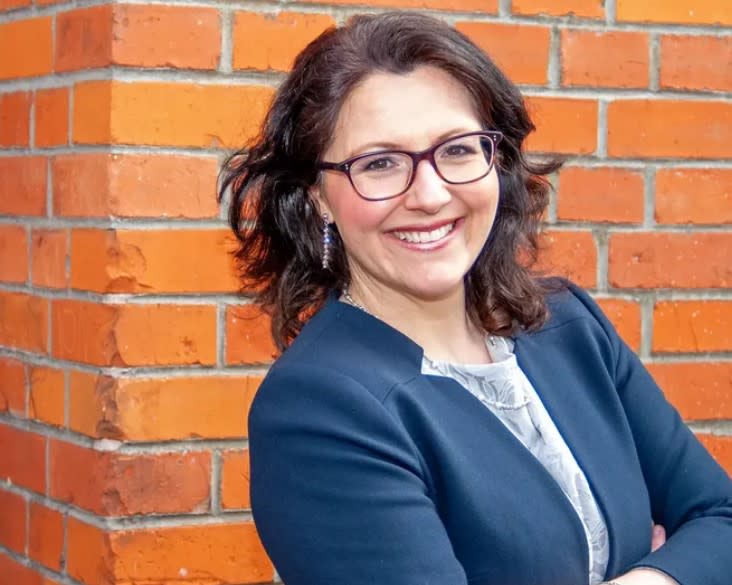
x,y
426,236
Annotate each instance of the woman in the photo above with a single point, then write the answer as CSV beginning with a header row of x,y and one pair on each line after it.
x,y
440,415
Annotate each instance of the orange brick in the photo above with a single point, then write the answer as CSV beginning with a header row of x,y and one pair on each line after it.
x,y
696,196
27,44
23,322
692,326
13,511
266,41
49,258
46,536
6,5
161,409
23,187
84,38
699,390
696,62
18,574
150,261
603,195
235,480
52,117
662,260
88,555
225,554
248,336
675,11
13,253
175,114
46,401
129,185
146,35
578,8
134,335
12,386
484,6
720,448
569,254
563,125
15,118
522,52
121,485
605,59
625,317
667,128
25,464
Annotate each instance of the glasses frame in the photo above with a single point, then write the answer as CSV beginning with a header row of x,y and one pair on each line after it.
x,y
495,136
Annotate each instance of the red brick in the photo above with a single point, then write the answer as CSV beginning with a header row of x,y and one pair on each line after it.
x,y
25,464
569,254
692,326
699,390
508,46
13,511
12,386
145,35
129,185
15,118
695,196
88,555
13,253
625,317
150,261
667,128
6,5
23,188
161,409
577,8
134,335
84,38
235,480
602,195
28,42
121,485
662,260
605,59
563,125
23,322
52,117
46,536
675,11
17,574
696,63
49,258
46,401
720,448
225,554
484,6
271,41
248,336
111,112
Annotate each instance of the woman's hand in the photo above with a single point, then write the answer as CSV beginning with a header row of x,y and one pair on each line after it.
x,y
648,576
658,537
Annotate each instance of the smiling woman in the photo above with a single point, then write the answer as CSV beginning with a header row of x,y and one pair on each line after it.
x,y
441,415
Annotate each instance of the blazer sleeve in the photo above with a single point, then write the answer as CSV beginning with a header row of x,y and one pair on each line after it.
x,y
337,487
691,495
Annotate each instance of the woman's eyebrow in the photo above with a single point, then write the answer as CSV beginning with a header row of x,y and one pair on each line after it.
x,y
399,145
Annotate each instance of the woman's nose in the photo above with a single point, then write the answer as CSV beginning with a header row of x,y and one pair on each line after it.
x,y
428,191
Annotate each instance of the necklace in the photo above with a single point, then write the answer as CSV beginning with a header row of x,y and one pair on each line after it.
x,y
346,296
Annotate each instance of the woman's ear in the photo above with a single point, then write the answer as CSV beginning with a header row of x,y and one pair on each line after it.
x,y
316,196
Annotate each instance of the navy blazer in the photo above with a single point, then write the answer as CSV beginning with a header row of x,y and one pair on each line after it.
x,y
366,471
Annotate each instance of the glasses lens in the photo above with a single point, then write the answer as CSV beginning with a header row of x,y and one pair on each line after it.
x,y
381,175
464,159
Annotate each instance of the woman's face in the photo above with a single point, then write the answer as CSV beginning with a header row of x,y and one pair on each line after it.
x,y
423,242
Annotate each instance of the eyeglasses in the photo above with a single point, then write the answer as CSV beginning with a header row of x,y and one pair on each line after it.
x,y
385,174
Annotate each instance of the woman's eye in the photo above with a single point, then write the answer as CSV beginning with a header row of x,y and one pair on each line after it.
x,y
383,163
458,150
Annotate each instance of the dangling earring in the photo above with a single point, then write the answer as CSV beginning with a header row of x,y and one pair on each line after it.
x,y
326,242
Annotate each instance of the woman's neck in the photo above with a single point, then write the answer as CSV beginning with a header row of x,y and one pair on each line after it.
x,y
440,326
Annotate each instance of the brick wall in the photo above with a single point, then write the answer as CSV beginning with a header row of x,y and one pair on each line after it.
x,y
127,361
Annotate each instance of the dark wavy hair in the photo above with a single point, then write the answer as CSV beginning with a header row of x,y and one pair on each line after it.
x,y
277,224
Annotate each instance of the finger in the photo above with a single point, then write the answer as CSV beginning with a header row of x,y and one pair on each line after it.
x,y
658,538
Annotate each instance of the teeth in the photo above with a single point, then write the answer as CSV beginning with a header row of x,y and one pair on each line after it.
x,y
425,237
